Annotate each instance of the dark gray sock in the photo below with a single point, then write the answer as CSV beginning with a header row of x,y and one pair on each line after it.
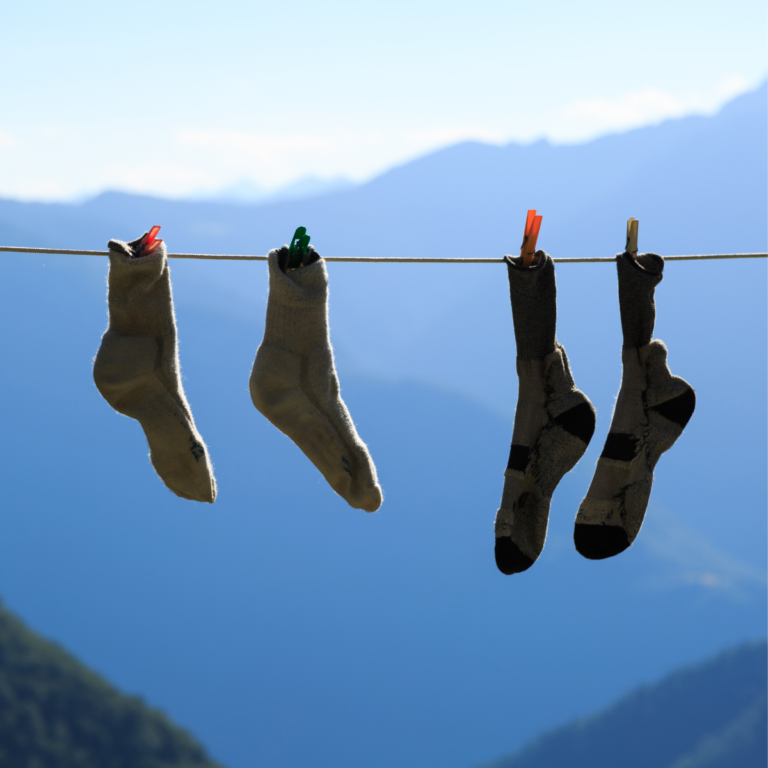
x,y
638,279
651,411
554,421
533,293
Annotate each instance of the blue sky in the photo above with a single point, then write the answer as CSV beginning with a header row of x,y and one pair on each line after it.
x,y
175,98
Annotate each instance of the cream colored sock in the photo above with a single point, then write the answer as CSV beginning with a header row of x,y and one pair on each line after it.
x,y
137,368
294,382
651,412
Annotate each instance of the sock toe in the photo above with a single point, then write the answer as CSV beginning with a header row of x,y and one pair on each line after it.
x,y
509,558
597,542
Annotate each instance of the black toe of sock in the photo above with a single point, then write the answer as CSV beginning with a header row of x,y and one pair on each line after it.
x,y
596,542
509,558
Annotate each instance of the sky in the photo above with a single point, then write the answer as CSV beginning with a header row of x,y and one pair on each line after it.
x,y
176,99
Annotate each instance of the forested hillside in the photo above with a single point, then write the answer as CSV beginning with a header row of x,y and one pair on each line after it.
x,y
55,713
709,716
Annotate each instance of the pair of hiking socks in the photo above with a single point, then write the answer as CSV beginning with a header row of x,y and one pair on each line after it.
x,y
294,382
137,367
554,421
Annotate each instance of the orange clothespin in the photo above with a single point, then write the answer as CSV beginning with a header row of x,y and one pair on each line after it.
x,y
631,246
150,244
530,237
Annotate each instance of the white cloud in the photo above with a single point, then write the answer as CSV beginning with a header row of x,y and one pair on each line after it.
x,y
258,145
50,162
7,141
273,160
588,118
157,179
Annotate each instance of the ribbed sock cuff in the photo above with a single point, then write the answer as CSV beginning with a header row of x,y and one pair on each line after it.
x,y
304,287
131,271
533,293
638,278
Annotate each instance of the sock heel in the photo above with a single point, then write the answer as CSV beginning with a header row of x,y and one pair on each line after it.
x,y
679,409
578,421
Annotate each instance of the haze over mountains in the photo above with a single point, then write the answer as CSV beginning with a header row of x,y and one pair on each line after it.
x,y
283,628
247,192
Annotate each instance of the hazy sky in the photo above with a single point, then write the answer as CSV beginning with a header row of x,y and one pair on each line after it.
x,y
174,97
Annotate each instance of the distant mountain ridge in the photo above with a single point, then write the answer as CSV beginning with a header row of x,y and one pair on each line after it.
x,y
712,715
683,179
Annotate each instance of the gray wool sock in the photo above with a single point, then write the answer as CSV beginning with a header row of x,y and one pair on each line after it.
x,y
294,382
651,411
137,368
554,421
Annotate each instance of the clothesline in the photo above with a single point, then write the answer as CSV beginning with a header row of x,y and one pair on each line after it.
x,y
378,259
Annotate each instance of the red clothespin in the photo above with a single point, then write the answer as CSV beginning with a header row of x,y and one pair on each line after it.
x,y
631,246
150,244
530,237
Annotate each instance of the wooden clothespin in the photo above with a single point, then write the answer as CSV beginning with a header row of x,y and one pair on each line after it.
x,y
530,237
631,246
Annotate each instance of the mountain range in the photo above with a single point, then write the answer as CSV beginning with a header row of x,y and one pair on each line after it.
x,y
712,715
285,629
56,713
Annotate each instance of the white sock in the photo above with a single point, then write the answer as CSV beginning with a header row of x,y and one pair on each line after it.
x,y
294,382
137,368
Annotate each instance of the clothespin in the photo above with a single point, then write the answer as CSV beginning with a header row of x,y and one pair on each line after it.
x,y
298,250
530,237
631,246
150,244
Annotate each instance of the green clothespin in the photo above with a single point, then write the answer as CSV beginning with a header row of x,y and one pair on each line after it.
x,y
298,249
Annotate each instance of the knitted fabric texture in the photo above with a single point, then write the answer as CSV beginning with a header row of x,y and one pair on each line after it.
x,y
651,412
137,368
638,278
554,421
533,293
294,382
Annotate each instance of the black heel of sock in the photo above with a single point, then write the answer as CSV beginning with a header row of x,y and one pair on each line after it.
x,y
598,542
578,421
679,409
509,558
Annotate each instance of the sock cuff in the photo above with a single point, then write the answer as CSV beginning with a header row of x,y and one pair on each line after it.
x,y
533,294
638,278
125,264
304,287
